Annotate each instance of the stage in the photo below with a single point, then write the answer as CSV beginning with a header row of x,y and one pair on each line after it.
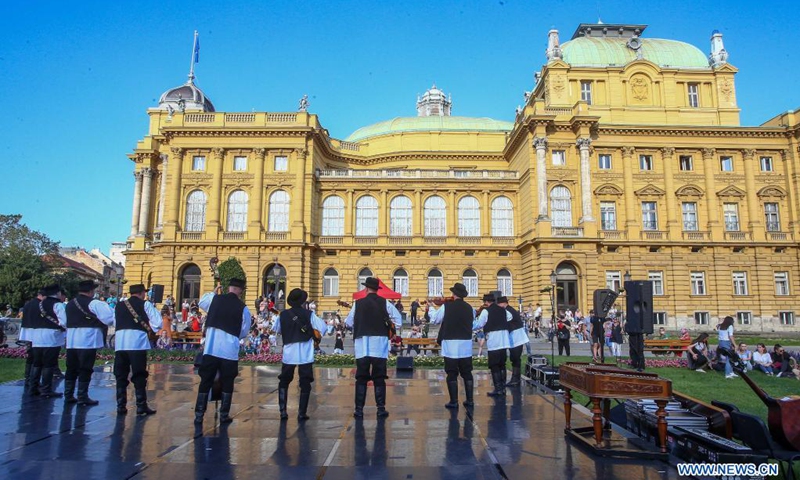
x,y
521,437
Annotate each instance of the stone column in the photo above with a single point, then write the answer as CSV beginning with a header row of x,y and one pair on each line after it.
x,y
584,144
486,213
754,224
711,203
162,190
137,202
383,214
256,225
540,143
349,214
216,198
673,224
452,214
147,192
298,204
418,215
631,219
175,167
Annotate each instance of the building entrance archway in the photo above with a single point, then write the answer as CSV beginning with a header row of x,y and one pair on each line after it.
x,y
190,284
275,284
567,282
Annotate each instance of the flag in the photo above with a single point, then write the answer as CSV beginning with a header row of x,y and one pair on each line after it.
x,y
197,49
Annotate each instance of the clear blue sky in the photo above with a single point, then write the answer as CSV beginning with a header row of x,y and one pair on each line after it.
x,y
77,77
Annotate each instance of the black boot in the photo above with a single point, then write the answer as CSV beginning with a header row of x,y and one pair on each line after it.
x,y
28,368
469,390
380,401
141,403
33,382
47,384
200,406
515,378
499,384
225,409
504,376
282,397
361,398
122,398
452,389
83,394
69,391
301,412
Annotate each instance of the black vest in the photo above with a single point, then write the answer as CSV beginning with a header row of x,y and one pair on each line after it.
x,y
124,319
30,311
457,321
516,320
36,318
77,319
291,330
225,313
370,317
497,319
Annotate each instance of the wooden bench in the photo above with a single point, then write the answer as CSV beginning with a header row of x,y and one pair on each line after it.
x,y
186,338
666,346
424,344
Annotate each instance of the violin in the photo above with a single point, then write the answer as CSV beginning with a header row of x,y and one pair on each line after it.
x,y
344,304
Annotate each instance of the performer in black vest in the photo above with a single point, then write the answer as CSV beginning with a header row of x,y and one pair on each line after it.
x,y
47,323
227,322
135,319
86,319
30,311
455,337
494,320
296,326
370,319
517,337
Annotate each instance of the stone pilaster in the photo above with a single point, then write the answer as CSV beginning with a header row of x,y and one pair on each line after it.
x,y
162,189
299,198
174,198
540,143
584,146
137,202
754,223
674,229
216,198
711,205
631,218
257,216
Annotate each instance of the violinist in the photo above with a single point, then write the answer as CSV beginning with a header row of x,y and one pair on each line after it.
x,y
494,320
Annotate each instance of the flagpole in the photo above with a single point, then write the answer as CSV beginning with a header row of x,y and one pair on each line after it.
x,y
191,66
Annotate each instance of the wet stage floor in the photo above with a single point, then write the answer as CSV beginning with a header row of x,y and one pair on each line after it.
x,y
521,437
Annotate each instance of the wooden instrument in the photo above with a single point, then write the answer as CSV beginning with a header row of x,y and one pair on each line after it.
x,y
719,420
389,323
344,304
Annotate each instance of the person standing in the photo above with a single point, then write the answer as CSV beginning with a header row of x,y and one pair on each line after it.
x,y
726,340
47,328
494,321
228,321
87,321
518,337
184,310
135,318
455,337
296,326
562,335
414,308
371,318
30,313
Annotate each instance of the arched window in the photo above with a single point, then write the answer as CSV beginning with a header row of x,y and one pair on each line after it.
x,y
237,211
190,283
367,217
561,207
435,217
504,283
279,211
401,282
333,216
435,283
502,217
471,282
469,217
195,212
362,277
400,214
330,283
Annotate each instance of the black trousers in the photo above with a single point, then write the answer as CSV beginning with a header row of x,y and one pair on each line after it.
x,y
228,371
497,359
305,371
515,354
563,344
413,317
371,368
80,364
636,348
29,354
45,357
454,367
133,362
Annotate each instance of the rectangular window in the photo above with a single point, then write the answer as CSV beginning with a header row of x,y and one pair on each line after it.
x,y
689,216
649,216
613,280
330,286
604,161
731,213
772,217
198,163
281,163
694,95
239,164
698,283
740,283
645,162
701,318
685,162
658,282
559,157
586,92
435,286
744,318
659,318
472,286
787,318
781,283
726,164
608,216
766,164
401,285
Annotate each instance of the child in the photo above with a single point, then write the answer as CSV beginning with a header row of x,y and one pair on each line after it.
x,y
338,347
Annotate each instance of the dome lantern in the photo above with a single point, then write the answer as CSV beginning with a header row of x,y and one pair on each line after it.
x,y
187,97
434,103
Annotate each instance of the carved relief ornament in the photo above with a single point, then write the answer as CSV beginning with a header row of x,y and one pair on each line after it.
x,y
689,191
628,151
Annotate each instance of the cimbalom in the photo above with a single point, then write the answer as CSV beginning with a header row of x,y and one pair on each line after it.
x,y
627,157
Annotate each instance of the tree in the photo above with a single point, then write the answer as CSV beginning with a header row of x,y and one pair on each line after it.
x,y
23,268
230,268
13,233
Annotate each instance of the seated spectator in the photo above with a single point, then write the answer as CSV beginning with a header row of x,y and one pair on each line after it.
x,y
415,333
164,342
397,345
194,323
698,353
782,362
746,356
762,360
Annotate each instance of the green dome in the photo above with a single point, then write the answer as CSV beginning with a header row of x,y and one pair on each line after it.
x,y
430,124
603,52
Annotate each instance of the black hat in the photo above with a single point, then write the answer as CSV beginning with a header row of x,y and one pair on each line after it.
x,y
87,286
236,282
134,289
372,282
488,297
53,289
297,297
502,300
459,290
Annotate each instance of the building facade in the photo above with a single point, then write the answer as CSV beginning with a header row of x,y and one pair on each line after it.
x,y
627,157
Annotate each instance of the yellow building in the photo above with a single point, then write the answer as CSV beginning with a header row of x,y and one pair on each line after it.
x,y
628,156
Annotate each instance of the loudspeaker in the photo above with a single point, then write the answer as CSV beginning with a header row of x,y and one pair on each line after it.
x,y
157,293
405,363
603,301
639,307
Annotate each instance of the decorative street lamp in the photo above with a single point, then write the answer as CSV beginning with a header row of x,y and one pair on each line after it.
x,y
627,276
553,280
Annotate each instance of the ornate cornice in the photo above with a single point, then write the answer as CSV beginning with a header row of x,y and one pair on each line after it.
x,y
740,132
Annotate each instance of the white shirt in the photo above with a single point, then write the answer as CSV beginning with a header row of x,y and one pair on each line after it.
x,y
762,358
50,337
130,339
497,340
373,346
725,335
518,337
452,348
218,342
300,353
84,338
538,312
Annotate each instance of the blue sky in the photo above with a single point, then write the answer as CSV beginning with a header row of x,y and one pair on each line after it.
x,y
77,77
